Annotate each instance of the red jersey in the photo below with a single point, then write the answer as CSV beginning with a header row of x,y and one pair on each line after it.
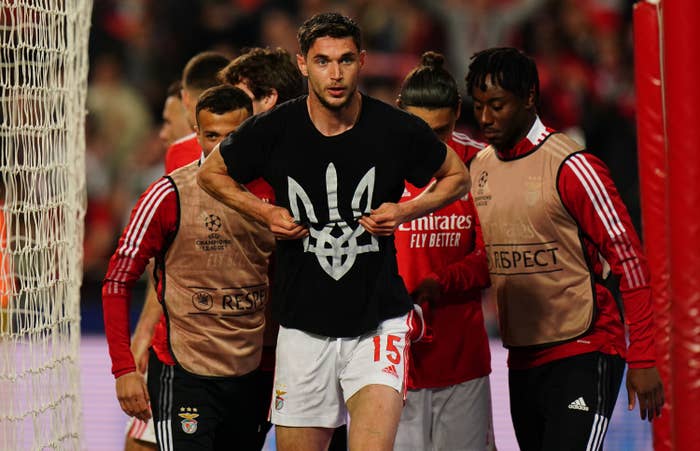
x,y
151,228
447,246
182,152
465,146
589,195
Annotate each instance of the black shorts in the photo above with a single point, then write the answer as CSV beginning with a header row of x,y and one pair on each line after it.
x,y
263,406
199,413
565,404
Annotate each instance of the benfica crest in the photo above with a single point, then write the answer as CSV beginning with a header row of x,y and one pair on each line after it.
x,y
279,400
533,190
189,424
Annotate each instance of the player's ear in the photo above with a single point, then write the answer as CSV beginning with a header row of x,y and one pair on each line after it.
x,y
530,101
185,98
363,54
200,138
459,110
270,100
301,62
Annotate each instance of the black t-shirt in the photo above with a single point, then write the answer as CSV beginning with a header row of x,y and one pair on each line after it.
x,y
340,281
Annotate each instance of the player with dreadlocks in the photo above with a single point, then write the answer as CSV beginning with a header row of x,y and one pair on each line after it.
x,y
554,227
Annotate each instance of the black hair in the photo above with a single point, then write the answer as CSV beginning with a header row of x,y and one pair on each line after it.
x,y
174,89
265,69
508,67
429,85
201,70
223,99
333,25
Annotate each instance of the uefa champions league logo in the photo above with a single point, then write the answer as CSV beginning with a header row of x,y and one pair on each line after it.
x,y
212,223
337,243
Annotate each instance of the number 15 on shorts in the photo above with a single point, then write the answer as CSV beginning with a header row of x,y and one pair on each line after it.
x,y
387,349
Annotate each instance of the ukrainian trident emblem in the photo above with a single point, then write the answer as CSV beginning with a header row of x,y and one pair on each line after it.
x,y
336,243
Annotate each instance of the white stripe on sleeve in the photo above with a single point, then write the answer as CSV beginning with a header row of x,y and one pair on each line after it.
x,y
618,235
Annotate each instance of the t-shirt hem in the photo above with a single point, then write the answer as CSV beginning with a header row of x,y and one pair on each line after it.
x,y
446,382
343,334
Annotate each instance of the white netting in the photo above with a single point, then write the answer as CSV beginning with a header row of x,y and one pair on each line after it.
x,y
43,79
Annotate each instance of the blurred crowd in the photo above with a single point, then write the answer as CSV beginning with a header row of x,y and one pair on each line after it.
x,y
583,49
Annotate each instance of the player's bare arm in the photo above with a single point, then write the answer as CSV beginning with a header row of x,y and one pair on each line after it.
x,y
451,182
214,179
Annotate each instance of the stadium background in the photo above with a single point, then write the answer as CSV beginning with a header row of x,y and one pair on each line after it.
x,y
137,47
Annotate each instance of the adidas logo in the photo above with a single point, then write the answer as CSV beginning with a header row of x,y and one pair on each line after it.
x,y
579,404
406,193
391,369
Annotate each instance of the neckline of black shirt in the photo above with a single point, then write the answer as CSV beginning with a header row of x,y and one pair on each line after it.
x,y
346,133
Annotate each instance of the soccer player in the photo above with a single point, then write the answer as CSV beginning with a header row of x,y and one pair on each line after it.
x,y
554,227
175,124
268,76
337,160
443,264
200,73
203,379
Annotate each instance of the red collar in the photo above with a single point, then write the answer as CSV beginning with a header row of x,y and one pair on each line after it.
x,y
538,132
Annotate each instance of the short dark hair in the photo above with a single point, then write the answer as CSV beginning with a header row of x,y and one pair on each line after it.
x,y
508,67
429,85
174,89
333,25
200,71
223,99
265,69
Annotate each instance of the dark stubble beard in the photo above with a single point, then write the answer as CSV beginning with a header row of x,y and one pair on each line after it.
x,y
332,107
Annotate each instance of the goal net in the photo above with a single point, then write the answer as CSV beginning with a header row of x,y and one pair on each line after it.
x,y
43,81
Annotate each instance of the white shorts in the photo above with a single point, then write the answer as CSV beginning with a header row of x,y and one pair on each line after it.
x,y
316,375
453,418
141,430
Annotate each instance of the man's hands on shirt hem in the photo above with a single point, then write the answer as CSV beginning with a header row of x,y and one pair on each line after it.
x,y
282,224
383,220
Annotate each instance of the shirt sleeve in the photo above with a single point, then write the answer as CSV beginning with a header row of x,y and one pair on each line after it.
x,y
152,225
245,150
425,153
472,271
590,196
